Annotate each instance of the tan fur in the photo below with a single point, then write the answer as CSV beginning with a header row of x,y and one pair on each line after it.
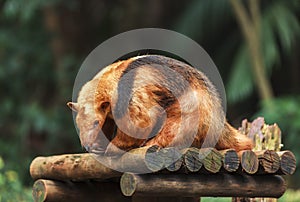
x,y
194,118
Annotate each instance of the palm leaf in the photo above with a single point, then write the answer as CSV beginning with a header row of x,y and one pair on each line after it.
x,y
240,83
285,24
202,17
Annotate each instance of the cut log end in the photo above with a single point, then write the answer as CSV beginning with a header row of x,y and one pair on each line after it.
x,y
249,161
270,161
172,158
191,159
212,160
153,160
231,160
287,162
128,184
39,193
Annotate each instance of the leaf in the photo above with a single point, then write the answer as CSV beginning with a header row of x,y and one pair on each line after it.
x,y
277,22
269,47
285,24
240,83
202,15
25,9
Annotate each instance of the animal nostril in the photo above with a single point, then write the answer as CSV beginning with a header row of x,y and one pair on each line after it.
x,y
96,123
87,148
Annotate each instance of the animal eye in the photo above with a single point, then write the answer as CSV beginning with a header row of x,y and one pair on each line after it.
x,y
104,106
96,123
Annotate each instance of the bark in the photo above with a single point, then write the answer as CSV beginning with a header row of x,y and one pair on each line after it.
x,y
250,29
56,191
193,185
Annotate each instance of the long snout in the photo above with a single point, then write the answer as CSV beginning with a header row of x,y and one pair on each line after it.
x,y
94,141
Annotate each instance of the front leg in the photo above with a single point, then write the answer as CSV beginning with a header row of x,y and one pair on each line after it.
x,y
122,143
174,134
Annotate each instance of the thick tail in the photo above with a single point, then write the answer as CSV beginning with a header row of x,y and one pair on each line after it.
x,y
232,138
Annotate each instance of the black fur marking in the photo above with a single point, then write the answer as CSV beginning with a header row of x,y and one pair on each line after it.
x,y
172,83
164,98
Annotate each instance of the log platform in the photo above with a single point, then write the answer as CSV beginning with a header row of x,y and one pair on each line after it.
x,y
72,177
169,174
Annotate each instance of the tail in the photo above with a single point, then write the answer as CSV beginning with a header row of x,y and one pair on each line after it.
x,y
232,138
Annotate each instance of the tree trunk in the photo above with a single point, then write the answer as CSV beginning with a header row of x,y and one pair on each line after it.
x,y
250,29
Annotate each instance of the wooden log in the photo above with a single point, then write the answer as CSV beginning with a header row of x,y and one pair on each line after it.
x,y
59,191
140,160
269,161
243,199
287,162
86,166
70,167
172,158
164,199
211,159
230,160
191,159
249,161
196,185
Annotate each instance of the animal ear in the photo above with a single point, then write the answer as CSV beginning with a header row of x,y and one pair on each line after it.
x,y
73,106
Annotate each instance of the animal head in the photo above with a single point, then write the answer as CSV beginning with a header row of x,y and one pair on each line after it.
x,y
93,109
90,119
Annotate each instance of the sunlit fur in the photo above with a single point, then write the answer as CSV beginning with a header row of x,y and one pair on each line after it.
x,y
192,117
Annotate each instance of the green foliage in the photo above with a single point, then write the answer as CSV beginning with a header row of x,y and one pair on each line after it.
x,y
11,188
240,82
286,112
22,9
33,117
32,106
290,196
201,16
279,30
206,21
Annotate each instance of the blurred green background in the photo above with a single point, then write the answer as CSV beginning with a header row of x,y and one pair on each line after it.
x,y
43,43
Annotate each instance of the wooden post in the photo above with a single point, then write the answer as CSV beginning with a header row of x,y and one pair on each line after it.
x,y
58,191
197,185
70,167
